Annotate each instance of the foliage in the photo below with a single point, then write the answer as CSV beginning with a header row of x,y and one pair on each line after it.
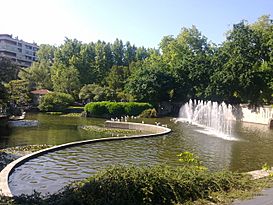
x,y
187,66
150,83
117,77
55,101
65,79
149,113
115,109
95,93
146,185
188,159
189,59
46,53
266,167
242,72
8,70
18,93
3,97
38,74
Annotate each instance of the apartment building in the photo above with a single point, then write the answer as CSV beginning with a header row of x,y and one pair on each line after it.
x,y
19,51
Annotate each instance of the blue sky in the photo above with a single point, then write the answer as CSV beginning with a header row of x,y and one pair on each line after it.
x,y
142,22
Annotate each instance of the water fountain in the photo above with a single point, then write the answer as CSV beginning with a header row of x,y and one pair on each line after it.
x,y
216,119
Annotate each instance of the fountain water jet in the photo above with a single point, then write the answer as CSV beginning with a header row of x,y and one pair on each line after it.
x,y
216,119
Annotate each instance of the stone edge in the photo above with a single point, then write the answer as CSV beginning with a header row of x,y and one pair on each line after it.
x,y
7,171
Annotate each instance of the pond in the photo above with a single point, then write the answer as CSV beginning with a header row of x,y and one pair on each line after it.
x,y
249,150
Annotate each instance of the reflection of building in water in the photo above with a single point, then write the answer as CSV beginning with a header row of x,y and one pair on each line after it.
x,y
19,51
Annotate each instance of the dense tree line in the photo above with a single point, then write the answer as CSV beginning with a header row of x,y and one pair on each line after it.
x,y
185,66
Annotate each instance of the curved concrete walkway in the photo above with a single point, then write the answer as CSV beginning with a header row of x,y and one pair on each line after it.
x,y
7,171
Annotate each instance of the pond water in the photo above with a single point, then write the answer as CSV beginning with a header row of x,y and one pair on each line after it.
x,y
250,147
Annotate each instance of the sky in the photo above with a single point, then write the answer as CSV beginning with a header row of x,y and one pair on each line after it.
x,y
142,22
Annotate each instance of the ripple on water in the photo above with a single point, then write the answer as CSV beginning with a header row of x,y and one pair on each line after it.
x,y
55,170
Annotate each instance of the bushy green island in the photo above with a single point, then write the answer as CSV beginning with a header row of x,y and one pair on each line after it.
x,y
115,109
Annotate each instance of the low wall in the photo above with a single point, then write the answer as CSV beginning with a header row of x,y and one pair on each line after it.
x,y
7,171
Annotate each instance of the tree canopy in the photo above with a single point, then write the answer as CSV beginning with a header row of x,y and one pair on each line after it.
x,y
185,66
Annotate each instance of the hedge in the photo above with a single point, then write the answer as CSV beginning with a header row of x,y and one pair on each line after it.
x,y
115,109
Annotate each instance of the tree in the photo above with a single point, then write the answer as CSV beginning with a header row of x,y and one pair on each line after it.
x,y
264,28
87,93
129,53
141,53
188,57
240,75
103,61
3,98
65,79
117,77
150,84
38,75
46,53
118,52
84,62
95,93
65,52
8,70
18,93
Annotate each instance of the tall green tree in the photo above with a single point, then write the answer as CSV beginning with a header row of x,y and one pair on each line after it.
x,y
8,70
129,53
18,93
65,52
65,79
38,75
264,28
117,77
240,76
151,83
118,52
188,57
46,53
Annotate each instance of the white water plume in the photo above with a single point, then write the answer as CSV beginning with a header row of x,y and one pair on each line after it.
x,y
216,119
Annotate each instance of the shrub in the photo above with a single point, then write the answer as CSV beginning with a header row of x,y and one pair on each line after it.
x,y
96,109
136,185
149,113
115,109
55,102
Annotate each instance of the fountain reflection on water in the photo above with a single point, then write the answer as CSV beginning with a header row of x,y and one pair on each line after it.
x,y
215,119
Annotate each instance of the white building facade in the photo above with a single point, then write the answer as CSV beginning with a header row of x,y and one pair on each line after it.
x,y
19,51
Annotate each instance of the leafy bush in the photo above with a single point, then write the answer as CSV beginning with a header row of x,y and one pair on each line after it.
x,y
135,185
115,109
55,102
149,113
